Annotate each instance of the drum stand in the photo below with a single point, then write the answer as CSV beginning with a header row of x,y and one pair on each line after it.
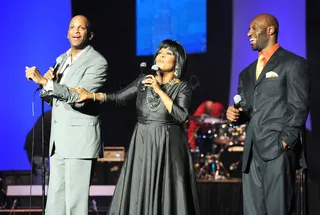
x,y
302,203
202,174
220,172
302,194
212,169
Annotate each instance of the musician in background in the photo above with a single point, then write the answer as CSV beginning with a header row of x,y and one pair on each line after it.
x,y
206,108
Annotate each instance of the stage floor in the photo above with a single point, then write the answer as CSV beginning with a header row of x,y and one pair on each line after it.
x,y
219,197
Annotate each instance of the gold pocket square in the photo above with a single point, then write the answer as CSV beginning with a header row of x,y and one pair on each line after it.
x,y
271,74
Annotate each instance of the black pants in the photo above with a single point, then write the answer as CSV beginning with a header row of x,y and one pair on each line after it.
x,y
268,187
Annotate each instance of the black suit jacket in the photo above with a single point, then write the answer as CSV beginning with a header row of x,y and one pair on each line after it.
x,y
277,107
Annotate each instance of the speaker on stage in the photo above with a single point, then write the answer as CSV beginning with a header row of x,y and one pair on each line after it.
x,y
106,170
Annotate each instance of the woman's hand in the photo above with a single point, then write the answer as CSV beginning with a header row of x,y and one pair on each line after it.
x,y
151,81
84,94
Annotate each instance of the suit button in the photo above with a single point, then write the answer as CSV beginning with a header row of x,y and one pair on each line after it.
x,y
54,121
256,93
254,110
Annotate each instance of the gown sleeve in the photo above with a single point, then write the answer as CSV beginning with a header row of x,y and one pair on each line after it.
x,y
181,104
124,95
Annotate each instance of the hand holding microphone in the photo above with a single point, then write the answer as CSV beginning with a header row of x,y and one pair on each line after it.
x,y
150,80
233,112
49,74
32,73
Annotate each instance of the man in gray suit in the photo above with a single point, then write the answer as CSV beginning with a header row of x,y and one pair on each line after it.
x,y
75,140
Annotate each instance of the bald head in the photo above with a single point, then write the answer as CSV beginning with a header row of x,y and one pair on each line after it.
x,y
208,108
83,19
214,109
263,32
269,21
79,33
79,17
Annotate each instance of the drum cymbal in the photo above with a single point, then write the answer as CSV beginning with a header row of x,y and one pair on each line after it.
x,y
212,156
207,119
222,140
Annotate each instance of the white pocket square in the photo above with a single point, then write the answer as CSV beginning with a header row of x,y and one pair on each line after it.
x,y
271,74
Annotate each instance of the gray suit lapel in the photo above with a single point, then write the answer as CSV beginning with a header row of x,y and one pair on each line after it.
x,y
64,58
79,62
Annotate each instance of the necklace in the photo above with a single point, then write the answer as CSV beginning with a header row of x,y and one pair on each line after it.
x,y
153,99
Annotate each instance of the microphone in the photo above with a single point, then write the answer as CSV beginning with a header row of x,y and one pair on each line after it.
x,y
154,70
56,66
55,69
143,65
237,100
58,76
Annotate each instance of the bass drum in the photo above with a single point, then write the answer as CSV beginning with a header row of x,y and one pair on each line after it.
x,y
231,159
205,140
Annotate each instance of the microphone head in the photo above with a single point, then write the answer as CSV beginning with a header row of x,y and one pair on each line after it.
x,y
155,67
237,99
143,64
59,60
57,64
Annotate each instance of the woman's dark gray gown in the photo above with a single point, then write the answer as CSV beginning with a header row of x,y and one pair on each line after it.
x,y
157,177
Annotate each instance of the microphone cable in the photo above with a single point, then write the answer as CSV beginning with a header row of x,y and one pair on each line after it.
x,y
32,150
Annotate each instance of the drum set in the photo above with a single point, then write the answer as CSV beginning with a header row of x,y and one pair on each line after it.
x,y
218,148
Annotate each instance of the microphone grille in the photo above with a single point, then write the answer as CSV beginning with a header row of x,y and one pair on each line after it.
x,y
143,64
237,99
155,67
59,60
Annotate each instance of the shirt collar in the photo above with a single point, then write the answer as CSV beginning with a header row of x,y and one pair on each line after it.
x,y
76,56
267,53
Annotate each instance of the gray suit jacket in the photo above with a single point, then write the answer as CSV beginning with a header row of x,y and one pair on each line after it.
x,y
75,127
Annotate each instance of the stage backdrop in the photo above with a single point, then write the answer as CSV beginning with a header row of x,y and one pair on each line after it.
x,y
183,20
33,33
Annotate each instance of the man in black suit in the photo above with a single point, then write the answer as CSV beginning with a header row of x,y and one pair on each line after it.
x,y
274,92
